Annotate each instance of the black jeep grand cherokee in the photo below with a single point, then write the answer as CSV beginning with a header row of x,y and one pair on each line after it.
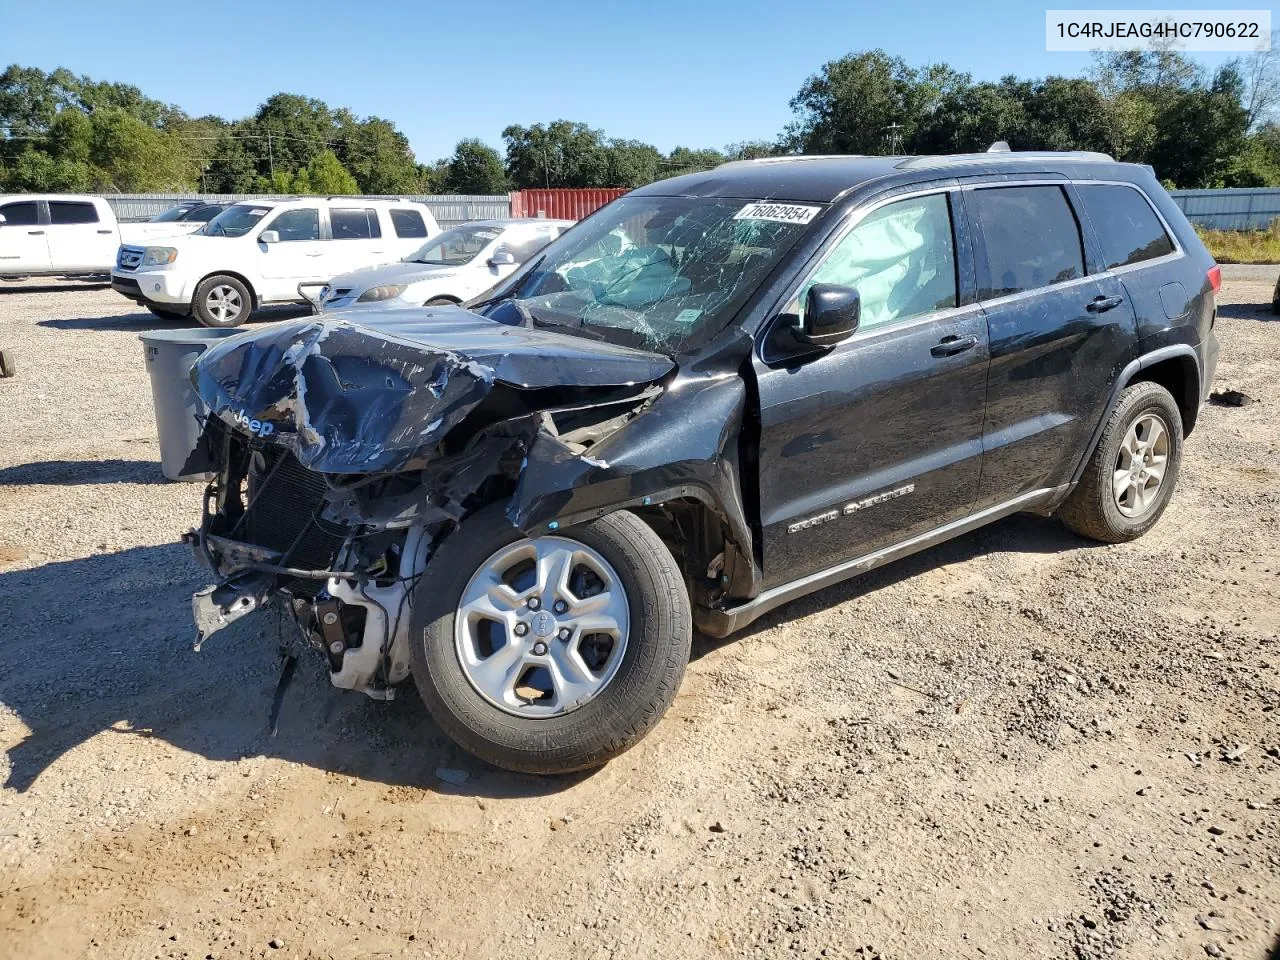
x,y
716,394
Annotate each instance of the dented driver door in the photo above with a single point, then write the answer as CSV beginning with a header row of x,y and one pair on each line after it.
x,y
880,438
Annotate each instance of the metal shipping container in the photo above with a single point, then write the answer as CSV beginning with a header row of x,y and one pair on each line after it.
x,y
563,203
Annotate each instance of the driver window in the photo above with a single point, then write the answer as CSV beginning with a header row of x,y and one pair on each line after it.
x,y
302,224
900,258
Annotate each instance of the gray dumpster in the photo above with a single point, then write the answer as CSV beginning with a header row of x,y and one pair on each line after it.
x,y
169,356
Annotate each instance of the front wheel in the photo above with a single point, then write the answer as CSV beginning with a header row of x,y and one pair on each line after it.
x,y
1131,475
222,301
550,654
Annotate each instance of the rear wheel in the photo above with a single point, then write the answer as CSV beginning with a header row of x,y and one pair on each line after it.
x,y
550,654
222,301
1132,473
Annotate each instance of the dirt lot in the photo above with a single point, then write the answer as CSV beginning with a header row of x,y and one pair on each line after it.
x,y
1017,745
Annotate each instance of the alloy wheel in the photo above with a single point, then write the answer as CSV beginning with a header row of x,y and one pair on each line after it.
x,y
541,627
1140,465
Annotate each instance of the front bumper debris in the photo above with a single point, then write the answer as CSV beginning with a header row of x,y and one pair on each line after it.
x,y
219,605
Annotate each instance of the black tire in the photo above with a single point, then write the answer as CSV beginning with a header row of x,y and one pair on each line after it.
x,y
200,307
1091,510
652,665
441,302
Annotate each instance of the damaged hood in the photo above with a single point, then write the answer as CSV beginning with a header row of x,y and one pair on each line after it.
x,y
376,393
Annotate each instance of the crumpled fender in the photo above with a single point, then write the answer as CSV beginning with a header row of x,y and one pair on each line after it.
x,y
684,445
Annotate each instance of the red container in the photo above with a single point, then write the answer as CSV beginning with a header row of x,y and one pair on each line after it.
x,y
563,203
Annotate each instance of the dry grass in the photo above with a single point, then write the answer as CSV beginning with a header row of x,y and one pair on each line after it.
x,y
1243,246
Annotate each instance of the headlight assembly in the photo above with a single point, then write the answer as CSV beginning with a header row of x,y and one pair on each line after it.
x,y
159,256
385,292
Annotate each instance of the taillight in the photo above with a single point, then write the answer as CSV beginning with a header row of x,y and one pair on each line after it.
x,y
1215,278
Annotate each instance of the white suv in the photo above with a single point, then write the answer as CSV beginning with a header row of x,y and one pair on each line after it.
x,y
260,252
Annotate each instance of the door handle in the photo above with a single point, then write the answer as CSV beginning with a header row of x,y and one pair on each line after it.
x,y
1102,304
35,233
106,231
315,254
951,345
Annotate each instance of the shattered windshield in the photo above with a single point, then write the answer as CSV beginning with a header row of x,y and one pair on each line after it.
x,y
235,221
661,273
456,247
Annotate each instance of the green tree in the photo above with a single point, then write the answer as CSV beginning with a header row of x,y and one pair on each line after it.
x,y
558,154
475,167
631,163
325,175
377,155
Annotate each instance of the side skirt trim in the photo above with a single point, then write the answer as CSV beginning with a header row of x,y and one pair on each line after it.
x,y
721,623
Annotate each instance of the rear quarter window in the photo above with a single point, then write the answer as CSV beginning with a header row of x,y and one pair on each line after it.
x,y
1127,227
359,223
408,223
1031,237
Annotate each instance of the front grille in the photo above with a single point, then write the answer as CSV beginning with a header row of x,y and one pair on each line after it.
x,y
130,258
284,515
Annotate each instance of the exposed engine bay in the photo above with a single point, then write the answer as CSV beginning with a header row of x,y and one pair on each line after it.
x,y
344,452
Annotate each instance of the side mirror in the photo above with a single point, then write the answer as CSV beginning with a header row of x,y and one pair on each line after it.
x,y
269,236
502,258
831,314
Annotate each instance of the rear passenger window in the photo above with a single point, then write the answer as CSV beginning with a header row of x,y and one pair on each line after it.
x,y
900,258
1127,227
408,223
21,214
69,211
301,224
361,224
1032,238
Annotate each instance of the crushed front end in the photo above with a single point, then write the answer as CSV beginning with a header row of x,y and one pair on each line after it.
x,y
343,453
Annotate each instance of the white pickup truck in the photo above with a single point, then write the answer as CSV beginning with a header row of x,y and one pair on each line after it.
x,y
64,234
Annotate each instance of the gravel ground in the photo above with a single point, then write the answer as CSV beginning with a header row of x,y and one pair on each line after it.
x,y
1016,745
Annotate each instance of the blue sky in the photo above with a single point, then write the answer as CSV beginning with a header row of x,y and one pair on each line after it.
x,y
669,73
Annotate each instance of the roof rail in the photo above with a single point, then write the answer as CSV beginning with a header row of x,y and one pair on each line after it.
x,y
1002,156
789,157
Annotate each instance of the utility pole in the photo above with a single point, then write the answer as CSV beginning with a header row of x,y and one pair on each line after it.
x,y
546,171
893,138
271,162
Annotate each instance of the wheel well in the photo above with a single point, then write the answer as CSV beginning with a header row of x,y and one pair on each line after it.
x,y
253,294
443,296
695,535
1181,377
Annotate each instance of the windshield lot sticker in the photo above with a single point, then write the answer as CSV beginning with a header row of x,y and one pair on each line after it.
x,y
778,212
688,316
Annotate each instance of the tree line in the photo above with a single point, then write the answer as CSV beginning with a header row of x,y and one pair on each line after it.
x,y
62,132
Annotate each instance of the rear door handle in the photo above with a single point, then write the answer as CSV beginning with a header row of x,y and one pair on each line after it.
x,y
35,233
315,254
1103,304
106,231
950,346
